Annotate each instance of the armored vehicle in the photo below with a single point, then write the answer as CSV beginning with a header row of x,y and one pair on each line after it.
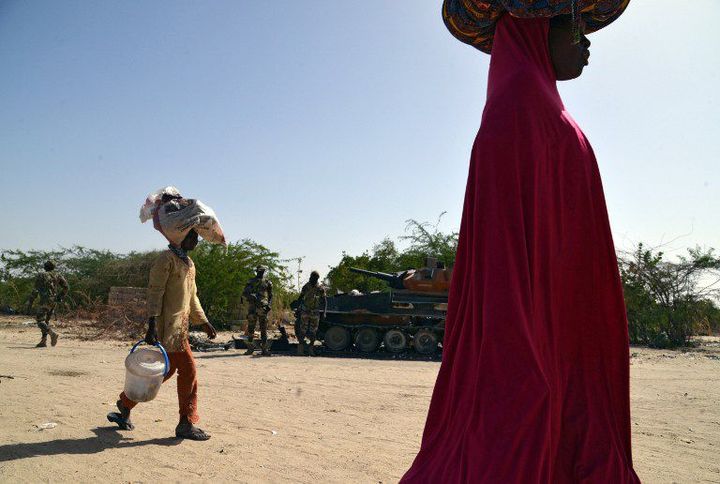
x,y
412,313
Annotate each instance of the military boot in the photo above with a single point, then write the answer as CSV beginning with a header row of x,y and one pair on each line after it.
x,y
53,337
311,349
250,348
44,330
300,349
266,349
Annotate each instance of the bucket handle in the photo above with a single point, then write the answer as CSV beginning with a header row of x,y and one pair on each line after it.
x,y
162,350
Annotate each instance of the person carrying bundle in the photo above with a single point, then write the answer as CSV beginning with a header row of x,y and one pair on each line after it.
x,y
172,300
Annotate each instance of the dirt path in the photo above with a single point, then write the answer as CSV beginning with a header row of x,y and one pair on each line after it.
x,y
293,419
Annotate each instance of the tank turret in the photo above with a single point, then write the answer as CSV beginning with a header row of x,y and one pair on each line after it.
x,y
394,280
429,279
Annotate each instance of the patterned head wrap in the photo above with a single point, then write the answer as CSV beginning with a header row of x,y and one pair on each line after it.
x,y
473,21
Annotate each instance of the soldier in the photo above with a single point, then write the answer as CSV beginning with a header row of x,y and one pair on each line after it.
x,y
258,292
52,288
312,301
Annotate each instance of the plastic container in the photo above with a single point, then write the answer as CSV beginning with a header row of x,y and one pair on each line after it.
x,y
145,370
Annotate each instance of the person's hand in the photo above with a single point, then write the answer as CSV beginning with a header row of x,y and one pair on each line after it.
x,y
151,335
210,331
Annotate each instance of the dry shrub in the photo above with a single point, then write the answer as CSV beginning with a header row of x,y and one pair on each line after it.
x,y
105,321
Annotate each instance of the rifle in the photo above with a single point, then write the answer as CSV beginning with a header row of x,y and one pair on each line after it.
x,y
31,300
297,306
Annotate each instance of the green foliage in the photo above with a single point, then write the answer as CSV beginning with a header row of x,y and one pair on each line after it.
x,y
90,273
424,240
709,322
668,302
222,275
384,258
427,240
14,292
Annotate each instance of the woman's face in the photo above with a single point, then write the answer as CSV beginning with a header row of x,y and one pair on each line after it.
x,y
568,58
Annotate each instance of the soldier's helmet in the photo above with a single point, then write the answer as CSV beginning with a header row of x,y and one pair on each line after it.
x,y
314,276
49,265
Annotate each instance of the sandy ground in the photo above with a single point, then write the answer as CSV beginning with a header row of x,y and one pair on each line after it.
x,y
293,419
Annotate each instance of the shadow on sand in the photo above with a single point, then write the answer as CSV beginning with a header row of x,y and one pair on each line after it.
x,y
105,438
322,352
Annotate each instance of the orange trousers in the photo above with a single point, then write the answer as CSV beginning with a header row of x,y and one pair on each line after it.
x,y
187,387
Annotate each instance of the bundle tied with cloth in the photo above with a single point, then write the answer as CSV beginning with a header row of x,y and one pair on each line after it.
x,y
175,216
473,21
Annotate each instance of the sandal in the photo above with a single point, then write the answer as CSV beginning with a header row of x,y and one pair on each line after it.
x,y
117,417
190,432
123,423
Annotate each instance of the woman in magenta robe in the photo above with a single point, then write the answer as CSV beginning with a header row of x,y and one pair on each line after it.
x,y
534,382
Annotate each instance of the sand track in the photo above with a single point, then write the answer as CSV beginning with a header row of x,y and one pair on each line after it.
x,y
293,419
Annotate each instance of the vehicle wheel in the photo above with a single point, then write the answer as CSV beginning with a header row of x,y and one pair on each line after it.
x,y
425,341
367,340
337,338
395,341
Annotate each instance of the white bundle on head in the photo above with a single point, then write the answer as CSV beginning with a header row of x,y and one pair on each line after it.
x,y
175,217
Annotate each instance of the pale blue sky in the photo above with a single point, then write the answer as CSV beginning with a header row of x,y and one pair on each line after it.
x,y
318,126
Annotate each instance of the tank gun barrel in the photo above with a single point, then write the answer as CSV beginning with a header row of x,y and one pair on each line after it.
x,y
395,280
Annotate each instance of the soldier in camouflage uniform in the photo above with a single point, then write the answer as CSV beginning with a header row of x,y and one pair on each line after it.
x,y
313,302
51,287
258,293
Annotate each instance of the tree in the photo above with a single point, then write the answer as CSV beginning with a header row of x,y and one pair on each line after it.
x,y
222,274
668,302
384,257
89,272
424,240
